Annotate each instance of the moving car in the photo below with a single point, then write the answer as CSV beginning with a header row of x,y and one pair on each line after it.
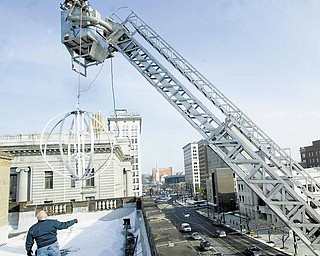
x,y
205,246
196,236
185,227
252,250
221,233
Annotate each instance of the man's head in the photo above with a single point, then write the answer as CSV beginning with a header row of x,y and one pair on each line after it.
x,y
42,215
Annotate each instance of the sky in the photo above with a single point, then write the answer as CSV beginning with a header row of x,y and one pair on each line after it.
x,y
263,55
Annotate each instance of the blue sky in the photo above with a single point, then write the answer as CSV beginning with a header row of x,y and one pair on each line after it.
x,y
263,55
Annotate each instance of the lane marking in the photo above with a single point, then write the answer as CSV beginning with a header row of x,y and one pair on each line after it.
x,y
229,245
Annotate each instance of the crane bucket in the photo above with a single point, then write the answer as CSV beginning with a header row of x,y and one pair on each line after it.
x,y
83,32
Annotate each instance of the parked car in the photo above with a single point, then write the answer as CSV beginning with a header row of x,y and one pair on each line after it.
x,y
217,254
196,236
221,233
252,250
185,227
205,246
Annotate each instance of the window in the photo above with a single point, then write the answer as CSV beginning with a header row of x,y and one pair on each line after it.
x,y
48,179
13,187
90,181
73,183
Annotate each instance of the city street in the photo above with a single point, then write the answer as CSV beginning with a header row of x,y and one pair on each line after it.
x,y
234,244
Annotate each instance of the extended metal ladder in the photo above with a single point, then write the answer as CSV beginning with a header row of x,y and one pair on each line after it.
x,y
241,143
264,166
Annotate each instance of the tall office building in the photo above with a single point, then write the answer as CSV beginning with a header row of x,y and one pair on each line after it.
x,y
127,124
203,162
202,167
191,167
310,155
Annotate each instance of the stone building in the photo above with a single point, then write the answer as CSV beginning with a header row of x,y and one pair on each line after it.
x,y
32,180
4,195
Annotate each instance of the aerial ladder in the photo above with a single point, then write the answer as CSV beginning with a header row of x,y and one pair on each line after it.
x,y
270,172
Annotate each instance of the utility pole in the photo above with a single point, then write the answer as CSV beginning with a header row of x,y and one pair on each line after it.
x,y
295,244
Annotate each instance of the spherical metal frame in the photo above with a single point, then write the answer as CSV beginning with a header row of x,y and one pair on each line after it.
x,y
78,156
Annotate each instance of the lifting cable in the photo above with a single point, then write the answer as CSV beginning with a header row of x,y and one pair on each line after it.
x,y
112,86
80,53
79,91
79,77
89,86
114,97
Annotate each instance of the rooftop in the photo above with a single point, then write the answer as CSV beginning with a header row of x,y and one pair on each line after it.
x,y
94,234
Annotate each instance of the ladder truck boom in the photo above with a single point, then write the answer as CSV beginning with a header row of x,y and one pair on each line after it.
x,y
265,167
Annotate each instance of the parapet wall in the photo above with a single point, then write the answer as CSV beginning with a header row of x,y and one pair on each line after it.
x,y
22,215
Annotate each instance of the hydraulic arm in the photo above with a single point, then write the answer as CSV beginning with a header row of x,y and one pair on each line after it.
x,y
264,166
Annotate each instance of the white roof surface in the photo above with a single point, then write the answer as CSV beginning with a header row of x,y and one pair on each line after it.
x,y
96,233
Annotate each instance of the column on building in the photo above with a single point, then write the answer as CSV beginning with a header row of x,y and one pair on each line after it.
x,y
23,184
5,160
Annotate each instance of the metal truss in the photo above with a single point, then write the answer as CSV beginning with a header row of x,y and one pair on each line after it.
x,y
264,166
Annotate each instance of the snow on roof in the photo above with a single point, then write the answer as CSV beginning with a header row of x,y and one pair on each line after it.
x,y
96,233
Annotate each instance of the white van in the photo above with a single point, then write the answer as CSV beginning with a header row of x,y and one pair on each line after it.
x,y
185,227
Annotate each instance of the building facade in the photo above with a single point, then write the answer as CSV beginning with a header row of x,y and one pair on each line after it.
x,y
203,162
4,195
174,179
158,174
191,167
208,161
310,155
127,125
32,180
221,189
200,161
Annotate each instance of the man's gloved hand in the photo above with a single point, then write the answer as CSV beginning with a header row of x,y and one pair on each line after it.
x,y
76,220
29,253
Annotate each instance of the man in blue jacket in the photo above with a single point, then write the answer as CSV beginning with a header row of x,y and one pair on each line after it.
x,y
44,232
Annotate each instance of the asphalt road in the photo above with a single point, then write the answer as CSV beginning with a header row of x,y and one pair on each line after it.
x,y
234,244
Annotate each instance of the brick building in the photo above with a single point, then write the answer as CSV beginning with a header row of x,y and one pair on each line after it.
x,y
310,155
157,173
